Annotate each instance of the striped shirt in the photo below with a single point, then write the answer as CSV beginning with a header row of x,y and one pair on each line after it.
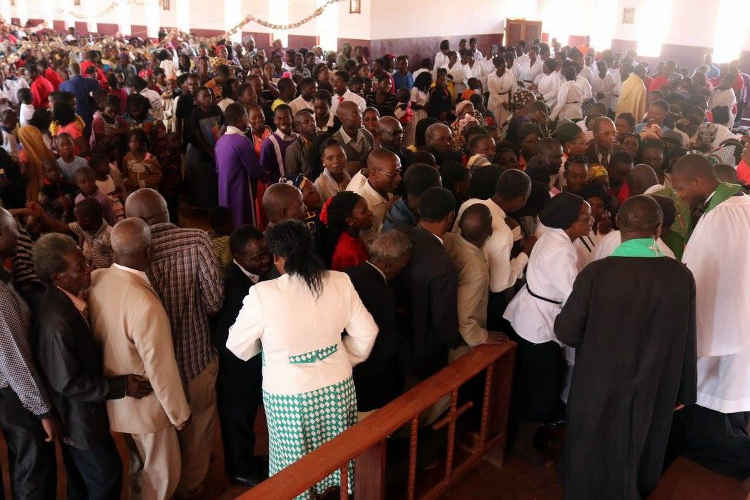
x,y
17,369
185,273
24,276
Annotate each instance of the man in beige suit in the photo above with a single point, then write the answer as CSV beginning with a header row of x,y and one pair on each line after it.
x,y
465,250
128,318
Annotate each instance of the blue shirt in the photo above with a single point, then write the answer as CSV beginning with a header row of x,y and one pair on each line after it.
x,y
82,88
403,81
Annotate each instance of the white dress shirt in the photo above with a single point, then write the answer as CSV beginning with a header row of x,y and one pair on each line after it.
x,y
299,103
585,87
327,186
548,86
717,255
527,72
284,318
569,100
377,204
504,271
440,61
552,269
348,96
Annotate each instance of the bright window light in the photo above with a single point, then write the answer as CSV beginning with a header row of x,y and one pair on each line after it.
x,y
183,15
91,8
603,23
153,18
732,26
123,14
328,26
49,12
279,10
6,12
69,7
22,11
653,20
232,14
557,20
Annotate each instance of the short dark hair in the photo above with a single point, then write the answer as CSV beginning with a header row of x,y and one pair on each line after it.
x,y
323,95
233,113
661,103
628,117
436,204
513,183
306,82
621,157
580,160
283,107
241,237
483,182
419,177
344,75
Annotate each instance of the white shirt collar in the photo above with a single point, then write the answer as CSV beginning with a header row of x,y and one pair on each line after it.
x,y
378,270
138,273
253,277
346,137
232,130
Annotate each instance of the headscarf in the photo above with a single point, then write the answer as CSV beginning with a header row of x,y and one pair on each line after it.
x,y
561,211
597,171
37,154
521,98
477,160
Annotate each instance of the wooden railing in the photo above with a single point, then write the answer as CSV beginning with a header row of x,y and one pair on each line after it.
x,y
366,441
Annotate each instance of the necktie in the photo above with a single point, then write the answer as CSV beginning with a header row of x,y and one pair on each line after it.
x,y
341,99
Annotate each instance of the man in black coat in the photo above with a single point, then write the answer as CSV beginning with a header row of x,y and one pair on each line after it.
x,y
239,382
378,380
431,281
71,361
631,318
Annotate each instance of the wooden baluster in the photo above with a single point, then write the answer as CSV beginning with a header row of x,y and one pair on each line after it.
x,y
451,435
486,406
369,473
413,458
345,481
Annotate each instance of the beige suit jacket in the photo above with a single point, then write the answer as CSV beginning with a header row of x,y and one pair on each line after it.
x,y
473,288
129,320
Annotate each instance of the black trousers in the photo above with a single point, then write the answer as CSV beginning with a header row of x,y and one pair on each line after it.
x,y
94,473
717,441
33,469
239,395
539,380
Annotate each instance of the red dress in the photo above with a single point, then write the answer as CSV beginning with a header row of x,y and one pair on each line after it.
x,y
349,252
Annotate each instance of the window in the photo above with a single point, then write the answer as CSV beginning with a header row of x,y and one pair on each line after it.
x,y
77,3
164,4
731,31
652,22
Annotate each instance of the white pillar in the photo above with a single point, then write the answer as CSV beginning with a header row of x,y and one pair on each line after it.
x,y
153,18
279,10
91,10
233,15
327,25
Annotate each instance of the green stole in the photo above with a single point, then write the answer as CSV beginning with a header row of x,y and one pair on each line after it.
x,y
639,247
723,192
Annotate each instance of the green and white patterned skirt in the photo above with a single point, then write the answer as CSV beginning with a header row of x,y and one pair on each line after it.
x,y
300,423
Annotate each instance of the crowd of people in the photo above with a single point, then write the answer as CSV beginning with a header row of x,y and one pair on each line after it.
x,y
371,220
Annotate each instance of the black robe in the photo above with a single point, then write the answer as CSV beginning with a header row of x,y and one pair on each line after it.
x,y
632,322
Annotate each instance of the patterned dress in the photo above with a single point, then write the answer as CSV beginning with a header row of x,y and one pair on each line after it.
x,y
308,391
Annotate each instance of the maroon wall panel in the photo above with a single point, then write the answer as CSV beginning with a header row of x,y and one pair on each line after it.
x,y
302,41
138,30
58,26
206,33
82,27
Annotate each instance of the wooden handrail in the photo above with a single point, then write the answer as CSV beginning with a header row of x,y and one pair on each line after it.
x,y
365,435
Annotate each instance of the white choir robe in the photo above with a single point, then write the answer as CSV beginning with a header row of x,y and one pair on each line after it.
x,y
717,254
588,73
585,87
614,73
605,86
527,72
725,97
613,239
440,61
504,271
552,269
475,71
459,77
569,100
548,86
500,89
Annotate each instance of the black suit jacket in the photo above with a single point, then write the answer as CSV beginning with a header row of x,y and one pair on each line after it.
x,y
592,155
378,380
431,283
71,360
232,369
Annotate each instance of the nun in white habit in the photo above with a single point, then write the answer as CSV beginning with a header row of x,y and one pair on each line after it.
x,y
552,269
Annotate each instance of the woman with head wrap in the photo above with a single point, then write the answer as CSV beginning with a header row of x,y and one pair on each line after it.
x,y
551,271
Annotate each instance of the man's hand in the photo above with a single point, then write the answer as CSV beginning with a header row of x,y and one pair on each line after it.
x,y
51,428
185,423
137,386
495,338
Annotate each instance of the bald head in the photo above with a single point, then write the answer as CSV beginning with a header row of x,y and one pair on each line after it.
x,y
390,133
694,166
476,224
8,234
147,204
694,179
640,217
642,177
383,171
131,243
283,202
